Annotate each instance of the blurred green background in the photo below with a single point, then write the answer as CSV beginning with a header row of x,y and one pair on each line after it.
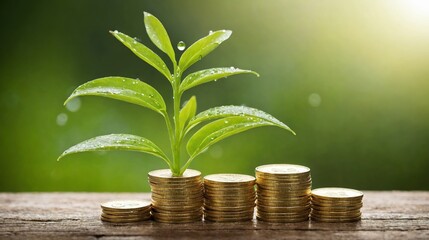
x,y
350,77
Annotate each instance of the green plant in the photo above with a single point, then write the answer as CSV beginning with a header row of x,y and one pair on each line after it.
x,y
224,121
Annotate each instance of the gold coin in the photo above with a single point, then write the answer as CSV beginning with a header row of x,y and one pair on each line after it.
x,y
196,203
335,220
278,191
229,179
229,188
177,206
282,214
291,179
341,204
282,200
165,175
186,187
241,219
336,201
226,215
126,211
284,203
277,180
230,213
177,215
184,201
169,207
229,208
177,184
125,214
179,211
336,214
281,196
230,193
337,193
227,198
283,169
222,202
145,215
178,220
230,203
177,194
125,205
336,208
280,209
171,195
279,185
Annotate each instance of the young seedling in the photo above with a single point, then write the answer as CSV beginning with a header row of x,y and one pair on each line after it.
x,y
224,121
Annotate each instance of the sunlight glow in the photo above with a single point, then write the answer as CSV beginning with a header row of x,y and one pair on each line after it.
x,y
416,11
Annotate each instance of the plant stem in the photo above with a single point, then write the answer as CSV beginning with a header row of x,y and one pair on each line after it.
x,y
177,133
170,131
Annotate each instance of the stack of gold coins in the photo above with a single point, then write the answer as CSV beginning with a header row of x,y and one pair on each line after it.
x,y
229,197
176,199
336,205
283,193
125,211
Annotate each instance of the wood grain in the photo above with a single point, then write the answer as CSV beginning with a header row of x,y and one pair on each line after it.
x,y
386,215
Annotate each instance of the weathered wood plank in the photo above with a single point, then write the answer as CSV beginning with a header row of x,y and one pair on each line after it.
x,y
76,216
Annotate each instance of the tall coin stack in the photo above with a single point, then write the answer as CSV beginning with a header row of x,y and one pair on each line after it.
x,y
229,197
336,205
283,193
176,199
125,211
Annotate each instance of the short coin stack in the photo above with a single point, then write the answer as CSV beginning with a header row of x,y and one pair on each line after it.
x,y
125,211
336,205
283,193
229,197
176,199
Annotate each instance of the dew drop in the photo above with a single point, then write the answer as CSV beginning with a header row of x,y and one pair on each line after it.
x,y
74,105
62,119
181,46
314,100
210,32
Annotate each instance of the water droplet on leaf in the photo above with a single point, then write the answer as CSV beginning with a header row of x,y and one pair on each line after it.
x,y
181,46
74,105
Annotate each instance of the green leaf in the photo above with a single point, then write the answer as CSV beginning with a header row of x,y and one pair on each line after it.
x,y
228,111
202,47
221,129
212,74
158,35
188,112
144,53
124,89
124,142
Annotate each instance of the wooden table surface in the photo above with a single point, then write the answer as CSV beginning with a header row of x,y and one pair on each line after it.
x,y
386,215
